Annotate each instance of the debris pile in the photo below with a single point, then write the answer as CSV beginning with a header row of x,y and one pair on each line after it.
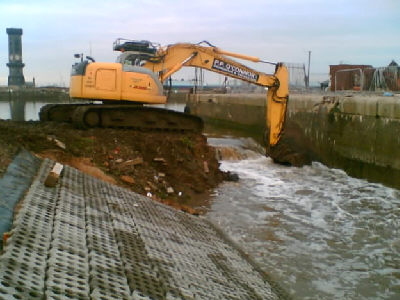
x,y
174,168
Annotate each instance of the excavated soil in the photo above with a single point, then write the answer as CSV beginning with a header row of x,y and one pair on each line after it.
x,y
178,169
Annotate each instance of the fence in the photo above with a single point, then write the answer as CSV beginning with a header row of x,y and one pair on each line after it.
x,y
366,79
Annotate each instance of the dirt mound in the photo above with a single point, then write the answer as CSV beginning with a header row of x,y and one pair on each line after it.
x,y
174,168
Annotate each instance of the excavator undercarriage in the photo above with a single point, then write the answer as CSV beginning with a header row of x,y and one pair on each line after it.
x,y
134,116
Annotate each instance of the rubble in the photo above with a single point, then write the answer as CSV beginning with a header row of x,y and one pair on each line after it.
x,y
132,162
159,159
127,179
205,166
58,143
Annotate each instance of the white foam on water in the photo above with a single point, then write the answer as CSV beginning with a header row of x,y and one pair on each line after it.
x,y
324,234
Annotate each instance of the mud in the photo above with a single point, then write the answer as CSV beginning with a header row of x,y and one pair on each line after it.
x,y
174,168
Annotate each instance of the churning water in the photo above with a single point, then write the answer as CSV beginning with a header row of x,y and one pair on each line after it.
x,y
317,231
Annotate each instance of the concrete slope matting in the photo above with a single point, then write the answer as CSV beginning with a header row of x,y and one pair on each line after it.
x,y
86,239
13,185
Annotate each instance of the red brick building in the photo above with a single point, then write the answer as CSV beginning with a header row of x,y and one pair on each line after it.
x,y
347,77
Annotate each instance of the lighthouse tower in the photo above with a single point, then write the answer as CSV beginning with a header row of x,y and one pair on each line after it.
x,y
16,77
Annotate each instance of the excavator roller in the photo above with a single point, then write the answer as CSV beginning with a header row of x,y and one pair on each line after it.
x,y
57,112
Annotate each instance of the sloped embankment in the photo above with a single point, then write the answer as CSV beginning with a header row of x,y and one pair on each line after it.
x,y
173,168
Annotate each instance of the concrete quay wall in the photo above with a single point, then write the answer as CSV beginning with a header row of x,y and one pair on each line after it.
x,y
233,111
34,94
357,133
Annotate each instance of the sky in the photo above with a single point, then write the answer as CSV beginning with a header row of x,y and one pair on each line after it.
x,y
340,31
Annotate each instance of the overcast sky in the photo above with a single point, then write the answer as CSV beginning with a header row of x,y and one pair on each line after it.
x,y
340,31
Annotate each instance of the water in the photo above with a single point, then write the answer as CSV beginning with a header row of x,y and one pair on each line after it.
x,y
317,231
20,110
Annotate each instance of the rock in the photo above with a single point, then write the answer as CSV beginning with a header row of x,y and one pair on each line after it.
x,y
170,190
132,162
6,236
159,159
190,210
59,144
152,185
161,174
127,179
229,153
205,166
229,176
197,189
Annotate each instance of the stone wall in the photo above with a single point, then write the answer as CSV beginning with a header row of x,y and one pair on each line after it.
x,y
245,112
357,133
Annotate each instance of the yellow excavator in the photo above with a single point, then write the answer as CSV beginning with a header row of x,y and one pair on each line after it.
x,y
137,77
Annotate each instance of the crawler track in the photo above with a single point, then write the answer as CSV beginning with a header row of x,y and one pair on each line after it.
x,y
121,116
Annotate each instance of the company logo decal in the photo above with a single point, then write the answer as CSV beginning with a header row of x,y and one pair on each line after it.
x,y
234,70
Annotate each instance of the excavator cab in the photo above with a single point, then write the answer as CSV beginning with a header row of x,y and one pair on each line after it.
x,y
133,45
134,53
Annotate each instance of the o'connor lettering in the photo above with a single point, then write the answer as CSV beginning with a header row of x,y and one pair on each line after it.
x,y
234,70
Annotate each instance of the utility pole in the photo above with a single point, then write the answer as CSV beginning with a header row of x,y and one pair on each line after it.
x,y
308,71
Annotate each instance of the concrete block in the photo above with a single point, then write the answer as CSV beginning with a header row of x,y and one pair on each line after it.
x,y
303,102
388,107
387,152
53,176
365,106
21,278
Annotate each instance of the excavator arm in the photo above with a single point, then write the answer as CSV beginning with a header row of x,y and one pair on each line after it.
x,y
172,58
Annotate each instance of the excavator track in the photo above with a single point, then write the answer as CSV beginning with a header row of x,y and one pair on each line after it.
x,y
121,116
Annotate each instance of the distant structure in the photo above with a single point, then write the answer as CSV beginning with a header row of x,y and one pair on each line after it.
x,y
347,77
16,77
365,77
297,75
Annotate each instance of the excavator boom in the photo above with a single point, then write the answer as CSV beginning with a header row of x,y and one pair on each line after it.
x,y
176,56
